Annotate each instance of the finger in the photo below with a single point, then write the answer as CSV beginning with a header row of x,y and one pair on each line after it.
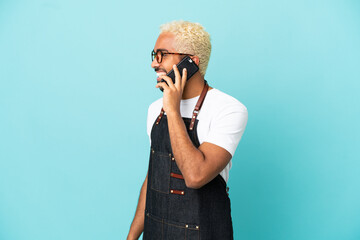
x,y
177,76
162,85
184,78
169,81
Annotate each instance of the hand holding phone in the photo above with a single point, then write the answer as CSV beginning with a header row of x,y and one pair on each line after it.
x,y
187,63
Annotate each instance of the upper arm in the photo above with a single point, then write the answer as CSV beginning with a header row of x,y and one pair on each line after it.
x,y
216,158
220,144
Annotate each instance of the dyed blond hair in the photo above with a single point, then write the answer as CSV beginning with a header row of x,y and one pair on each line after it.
x,y
190,38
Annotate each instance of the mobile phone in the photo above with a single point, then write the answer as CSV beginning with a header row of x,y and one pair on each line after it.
x,y
187,63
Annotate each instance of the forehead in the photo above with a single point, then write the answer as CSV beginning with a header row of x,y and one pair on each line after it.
x,y
165,41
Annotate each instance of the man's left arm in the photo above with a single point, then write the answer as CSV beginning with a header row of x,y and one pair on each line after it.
x,y
197,165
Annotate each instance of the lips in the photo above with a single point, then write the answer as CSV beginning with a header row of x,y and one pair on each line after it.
x,y
159,74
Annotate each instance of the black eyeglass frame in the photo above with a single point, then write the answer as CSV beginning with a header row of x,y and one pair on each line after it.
x,y
163,53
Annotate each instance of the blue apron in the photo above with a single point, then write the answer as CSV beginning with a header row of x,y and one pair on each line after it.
x,y
174,211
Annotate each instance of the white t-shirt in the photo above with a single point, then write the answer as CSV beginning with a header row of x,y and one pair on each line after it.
x,y
222,120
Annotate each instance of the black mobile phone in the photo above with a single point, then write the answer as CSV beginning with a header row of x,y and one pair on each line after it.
x,y
187,63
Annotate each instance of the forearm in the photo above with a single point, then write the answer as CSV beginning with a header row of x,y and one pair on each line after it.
x,y
137,226
188,158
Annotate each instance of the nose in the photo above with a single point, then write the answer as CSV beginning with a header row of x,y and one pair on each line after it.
x,y
154,63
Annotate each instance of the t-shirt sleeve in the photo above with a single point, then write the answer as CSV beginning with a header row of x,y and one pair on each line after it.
x,y
148,124
153,112
227,127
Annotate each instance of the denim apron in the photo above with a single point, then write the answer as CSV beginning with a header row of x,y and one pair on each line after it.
x,y
174,211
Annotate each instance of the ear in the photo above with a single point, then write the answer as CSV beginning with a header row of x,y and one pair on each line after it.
x,y
196,59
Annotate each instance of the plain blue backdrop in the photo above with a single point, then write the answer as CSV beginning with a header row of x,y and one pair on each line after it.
x,y
76,82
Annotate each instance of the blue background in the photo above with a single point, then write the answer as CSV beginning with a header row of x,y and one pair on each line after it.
x,y
76,82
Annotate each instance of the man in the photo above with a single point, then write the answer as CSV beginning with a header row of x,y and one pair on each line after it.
x,y
194,131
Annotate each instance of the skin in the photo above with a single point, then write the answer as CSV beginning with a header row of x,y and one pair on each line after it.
x,y
197,165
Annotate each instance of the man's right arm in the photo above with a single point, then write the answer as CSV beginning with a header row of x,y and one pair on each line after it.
x,y
137,226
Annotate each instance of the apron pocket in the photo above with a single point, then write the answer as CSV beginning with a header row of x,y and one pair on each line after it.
x,y
161,164
173,230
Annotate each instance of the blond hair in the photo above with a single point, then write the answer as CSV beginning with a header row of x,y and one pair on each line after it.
x,y
190,38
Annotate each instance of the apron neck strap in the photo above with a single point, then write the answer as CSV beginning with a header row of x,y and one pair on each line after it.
x,y
198,105
196,109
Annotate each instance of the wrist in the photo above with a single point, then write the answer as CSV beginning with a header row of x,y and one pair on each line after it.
x,y
131,237
173,113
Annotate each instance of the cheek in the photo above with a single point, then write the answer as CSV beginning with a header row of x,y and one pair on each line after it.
x,y
168,67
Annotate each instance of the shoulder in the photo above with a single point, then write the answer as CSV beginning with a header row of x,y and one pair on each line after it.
x,y
227,122
219,101
155,106
153,111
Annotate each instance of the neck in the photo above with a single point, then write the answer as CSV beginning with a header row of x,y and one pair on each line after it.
x,y
194,86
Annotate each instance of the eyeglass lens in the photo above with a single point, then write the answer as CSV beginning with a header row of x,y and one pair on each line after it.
x,y
158,55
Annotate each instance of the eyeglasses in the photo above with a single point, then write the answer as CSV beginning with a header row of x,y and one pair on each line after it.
x,y
159,54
